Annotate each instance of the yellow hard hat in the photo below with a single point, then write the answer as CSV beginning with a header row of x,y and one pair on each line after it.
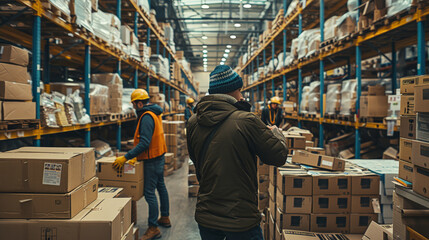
x,y
139,94
190,101
276,100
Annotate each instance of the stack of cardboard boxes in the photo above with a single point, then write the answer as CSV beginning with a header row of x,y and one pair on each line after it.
x,y
156,97
114,82
51,193
374,102
193,184
174,132
15,90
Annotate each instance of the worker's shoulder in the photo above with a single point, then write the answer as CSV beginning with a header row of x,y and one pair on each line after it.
x,y
243,116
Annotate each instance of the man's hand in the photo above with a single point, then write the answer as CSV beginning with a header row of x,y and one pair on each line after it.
x,y
132,161
119,163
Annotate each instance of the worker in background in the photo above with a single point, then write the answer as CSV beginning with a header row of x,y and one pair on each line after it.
x,y
224,138
189,110
272,115
149,147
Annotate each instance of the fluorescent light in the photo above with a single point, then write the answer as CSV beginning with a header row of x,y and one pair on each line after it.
x,y
205,59
204,37
204,51
204,46
204,55
237,25
223,59
222,63
247,5
233,37
227,50
205,6
228,46
205,25
225,55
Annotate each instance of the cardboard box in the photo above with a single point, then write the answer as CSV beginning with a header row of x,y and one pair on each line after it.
x,y
192,179
278,232
295,141
360,222
273,175
86,155
15,91
421,98
365,183
331,204
405,149
271,224
294,204
339,223
109,192
373,106
40,172
406,171
130,233
42,205
294,183
301,235
134,190
421,181
14,55
390,153
296,222
320,161
130,173
408,127
17,110
126,34
377,90
327,183
364,204
377,231
272,192
407,85
420,153
422,127
104,219
193,190
316,150
14,73
407,105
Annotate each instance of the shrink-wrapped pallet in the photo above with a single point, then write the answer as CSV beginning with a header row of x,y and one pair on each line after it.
x,y
333,99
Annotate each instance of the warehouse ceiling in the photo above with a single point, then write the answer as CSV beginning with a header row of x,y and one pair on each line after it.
x,y
215,31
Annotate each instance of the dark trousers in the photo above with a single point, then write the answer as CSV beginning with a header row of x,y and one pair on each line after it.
x,y
213,234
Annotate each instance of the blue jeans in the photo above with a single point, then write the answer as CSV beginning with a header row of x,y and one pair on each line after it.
x,y
154,179
213,234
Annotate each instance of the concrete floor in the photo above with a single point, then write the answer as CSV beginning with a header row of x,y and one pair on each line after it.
x,y
182,209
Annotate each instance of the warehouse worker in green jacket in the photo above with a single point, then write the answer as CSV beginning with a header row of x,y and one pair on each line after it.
x,y
224,138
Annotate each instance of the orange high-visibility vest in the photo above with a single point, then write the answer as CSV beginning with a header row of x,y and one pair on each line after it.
x,y
157,146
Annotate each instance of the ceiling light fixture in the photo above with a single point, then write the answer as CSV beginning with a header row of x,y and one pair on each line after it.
x,y
237,25
204,46
222,63
228,46
205,59
247,5
205,25
233,37
205,6
204,55
225,55
204,51
227,50
223,59
204,37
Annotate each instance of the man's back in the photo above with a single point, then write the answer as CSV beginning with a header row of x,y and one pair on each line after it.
x,y
227,173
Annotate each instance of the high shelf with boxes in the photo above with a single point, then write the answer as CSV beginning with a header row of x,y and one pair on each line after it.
x,y
83,38
374,29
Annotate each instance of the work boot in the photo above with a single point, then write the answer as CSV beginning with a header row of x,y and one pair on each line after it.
x,y
151,233
164,222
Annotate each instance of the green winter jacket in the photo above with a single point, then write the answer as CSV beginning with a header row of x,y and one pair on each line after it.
x,y
228,195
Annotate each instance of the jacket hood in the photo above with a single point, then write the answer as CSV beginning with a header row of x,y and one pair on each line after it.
x,y
214,108
153,108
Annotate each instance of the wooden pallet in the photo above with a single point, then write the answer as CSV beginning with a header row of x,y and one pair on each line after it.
x,y
371,119
115,117
99,118
349,118
15,125
328,42
56,11
330,116
127,116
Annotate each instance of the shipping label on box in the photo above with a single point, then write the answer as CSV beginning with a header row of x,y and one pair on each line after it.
x,y
294,183
15,91
422,127
109,192
363,204
420,153
52,205
339,223
327,183
406,171
407,105
331,204
365,183
421,94
405,149
408,127
360,222
134,190
129,173
320,161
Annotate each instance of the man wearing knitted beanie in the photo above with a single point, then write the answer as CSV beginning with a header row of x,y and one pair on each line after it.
x,y
224,138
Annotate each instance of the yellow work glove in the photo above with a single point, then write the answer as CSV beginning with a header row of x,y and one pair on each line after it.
x,y
132,161
119,163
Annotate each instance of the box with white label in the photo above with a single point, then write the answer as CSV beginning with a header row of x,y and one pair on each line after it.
x,y
129,173
317,160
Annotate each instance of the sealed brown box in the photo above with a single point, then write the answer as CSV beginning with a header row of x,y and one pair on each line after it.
x,y
48,205
272,205
377,90
420,153
405,149
320,161
377,231
373,106
271,224
263,186
86,155
192,179
331,204
65,88
296,222
296,141
133,190
365,183
294,204
15,91
360,222
406,171
272,192
421,99
339,223
408,84
193,190
13,73
407,105
104,219
408,127
294,183
278,232
316,150
327,183
109,192
14,55
40,172
421,181
363,204
273,175
300,235
17,110
130,173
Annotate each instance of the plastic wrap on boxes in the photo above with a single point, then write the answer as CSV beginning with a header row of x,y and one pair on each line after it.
x,y
352,5
294,48
102,149
80,111
304,101
348,97
333,98
60,114
396,6
127,106
313,43
289,60
63,5
271,67
48,110
70,113
144,5
346,24
330,28
99,97
291,7
82,10
101,22
314,97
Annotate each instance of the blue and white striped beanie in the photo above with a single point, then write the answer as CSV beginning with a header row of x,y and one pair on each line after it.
x,y
224,80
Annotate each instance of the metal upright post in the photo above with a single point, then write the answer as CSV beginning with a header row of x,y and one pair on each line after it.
x,y
136,31
273,54
394,73
421,47
47,68
87,79
169,64
321,72
118,136
299,72
358,92
136,78
284,58
148,45
265,94
169,99
118,9
35,68
264,59
118,67
157,46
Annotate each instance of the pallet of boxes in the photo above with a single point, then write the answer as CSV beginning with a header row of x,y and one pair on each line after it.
x,y
52,193
414,160
175,138
16,107
193,184
114,84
